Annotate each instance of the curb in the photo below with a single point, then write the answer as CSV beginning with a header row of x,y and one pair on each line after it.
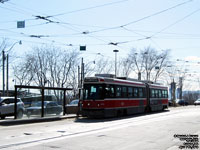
x,y
35,120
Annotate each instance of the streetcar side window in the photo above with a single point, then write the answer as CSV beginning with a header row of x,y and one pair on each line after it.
x,y
156,93
85,95
130,92
152,93
135,93
159,94
118,91
124,92
112,91
109,91
163,93
166,93
140,91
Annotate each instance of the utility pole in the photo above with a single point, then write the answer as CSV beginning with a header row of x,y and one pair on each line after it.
x,y
173,88
181,87
7,76
3,72
82,73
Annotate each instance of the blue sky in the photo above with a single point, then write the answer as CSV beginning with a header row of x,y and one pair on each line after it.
x,y
170,24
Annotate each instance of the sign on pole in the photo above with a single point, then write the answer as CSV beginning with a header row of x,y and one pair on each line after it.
x,y
82,48
20,24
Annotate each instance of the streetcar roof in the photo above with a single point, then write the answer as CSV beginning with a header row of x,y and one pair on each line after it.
x,y
158,86
115,81
112,81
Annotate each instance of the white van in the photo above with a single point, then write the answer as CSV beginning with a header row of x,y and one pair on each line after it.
x,y
7,107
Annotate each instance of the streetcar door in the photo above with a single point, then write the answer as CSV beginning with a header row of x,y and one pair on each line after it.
x,y
148,107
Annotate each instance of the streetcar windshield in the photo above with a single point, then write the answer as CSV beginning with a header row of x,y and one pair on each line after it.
x,y
93,92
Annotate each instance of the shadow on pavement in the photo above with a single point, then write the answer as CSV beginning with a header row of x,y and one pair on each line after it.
x,y
96,120
11,122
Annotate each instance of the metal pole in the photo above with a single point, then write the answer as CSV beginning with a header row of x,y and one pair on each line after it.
x,y
173,92
181,87
42,113
115,64
7,76
115,61
79,85
15,102
3,72
81,72
64,103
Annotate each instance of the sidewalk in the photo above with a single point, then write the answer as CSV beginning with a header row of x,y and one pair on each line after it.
x,y
12,121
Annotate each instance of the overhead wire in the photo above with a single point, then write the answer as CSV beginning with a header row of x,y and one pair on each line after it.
x,y
143,18
167,27
88,8
176,22
121,26
49,16
145,37
46,18
29,11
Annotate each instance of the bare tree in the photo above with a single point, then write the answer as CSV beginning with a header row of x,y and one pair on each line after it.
x,y
161,64
137,62
149,64
100,65
154,63
103,65
125,66
47,65
24,72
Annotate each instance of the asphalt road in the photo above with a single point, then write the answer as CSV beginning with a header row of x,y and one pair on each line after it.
x,y
167,130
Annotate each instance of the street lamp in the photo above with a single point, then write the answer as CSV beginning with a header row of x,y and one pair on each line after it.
x,y
3,68
115,51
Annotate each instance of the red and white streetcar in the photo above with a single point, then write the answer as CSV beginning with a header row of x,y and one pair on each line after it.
x,y
108,97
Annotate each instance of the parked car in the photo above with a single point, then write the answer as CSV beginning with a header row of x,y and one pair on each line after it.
x,y
72,107
182,102
170,103
197,102
50,107
7,107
